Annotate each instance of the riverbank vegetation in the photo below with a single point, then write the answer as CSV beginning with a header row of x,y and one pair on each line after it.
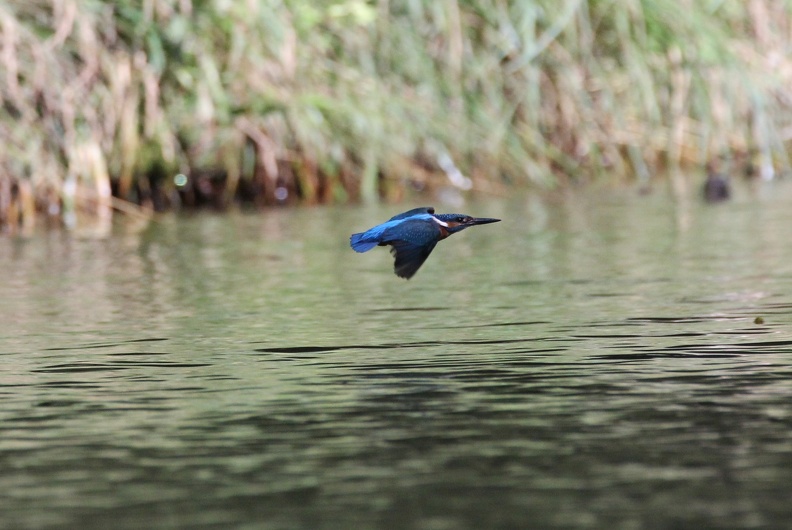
x,y
150,105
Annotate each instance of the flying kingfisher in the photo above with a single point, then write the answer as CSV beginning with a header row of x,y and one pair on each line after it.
x,y
413,235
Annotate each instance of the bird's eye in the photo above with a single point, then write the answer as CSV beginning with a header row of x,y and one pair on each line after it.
x,y
461,219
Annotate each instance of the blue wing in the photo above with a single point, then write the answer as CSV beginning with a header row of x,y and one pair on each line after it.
x,y
412,236
412,241
409,257
372,237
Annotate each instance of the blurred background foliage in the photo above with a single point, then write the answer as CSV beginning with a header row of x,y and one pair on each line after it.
x,y
147,105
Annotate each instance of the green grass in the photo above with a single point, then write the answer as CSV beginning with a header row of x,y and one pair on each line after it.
x,y
347,100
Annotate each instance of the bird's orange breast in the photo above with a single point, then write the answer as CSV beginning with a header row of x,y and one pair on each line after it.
x,y
444,233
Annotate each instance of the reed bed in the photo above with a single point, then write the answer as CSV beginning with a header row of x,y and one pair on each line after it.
x,y
148,105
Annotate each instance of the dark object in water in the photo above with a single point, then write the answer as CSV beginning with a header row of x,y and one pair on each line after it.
x,y
716,188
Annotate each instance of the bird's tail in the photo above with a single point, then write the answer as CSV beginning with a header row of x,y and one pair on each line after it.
x,y
360,243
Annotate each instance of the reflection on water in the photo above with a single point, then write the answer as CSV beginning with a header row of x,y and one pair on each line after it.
x,y
594,363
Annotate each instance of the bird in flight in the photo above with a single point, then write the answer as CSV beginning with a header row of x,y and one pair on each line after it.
x,y
413,235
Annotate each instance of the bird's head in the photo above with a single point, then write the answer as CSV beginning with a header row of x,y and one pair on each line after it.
x,y
456,222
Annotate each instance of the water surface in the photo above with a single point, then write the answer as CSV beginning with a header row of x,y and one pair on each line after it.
x,y
593,361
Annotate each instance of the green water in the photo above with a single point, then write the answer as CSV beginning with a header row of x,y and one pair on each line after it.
x,y
593,361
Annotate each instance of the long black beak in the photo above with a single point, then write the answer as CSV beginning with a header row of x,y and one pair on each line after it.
x,y
482,221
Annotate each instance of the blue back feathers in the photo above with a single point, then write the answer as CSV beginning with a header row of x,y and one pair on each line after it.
x,y
372,237
413,212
